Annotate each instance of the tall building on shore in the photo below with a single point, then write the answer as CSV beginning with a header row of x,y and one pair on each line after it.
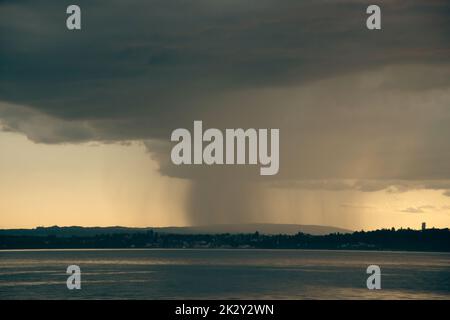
x,y
424,226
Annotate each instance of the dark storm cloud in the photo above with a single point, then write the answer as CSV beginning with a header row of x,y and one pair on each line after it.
x,y
158,58
350,103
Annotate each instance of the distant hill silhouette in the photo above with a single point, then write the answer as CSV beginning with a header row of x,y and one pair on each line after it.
x,y
262,228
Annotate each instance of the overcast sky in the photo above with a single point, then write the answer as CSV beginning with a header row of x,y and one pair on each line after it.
x,y
86,116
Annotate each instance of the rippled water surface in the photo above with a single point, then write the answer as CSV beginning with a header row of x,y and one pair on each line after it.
x,y
217,274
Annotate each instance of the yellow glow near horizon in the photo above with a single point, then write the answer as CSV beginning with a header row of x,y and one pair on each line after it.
x,y
114,184
85,184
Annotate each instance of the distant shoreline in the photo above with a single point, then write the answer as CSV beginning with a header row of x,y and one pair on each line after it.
x,y
219,249
263,228
428,240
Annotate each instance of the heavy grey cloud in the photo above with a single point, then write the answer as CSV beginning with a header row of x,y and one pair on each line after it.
x,y
351,104
162,60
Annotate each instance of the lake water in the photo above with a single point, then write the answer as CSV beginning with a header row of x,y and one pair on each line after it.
x,y
223,274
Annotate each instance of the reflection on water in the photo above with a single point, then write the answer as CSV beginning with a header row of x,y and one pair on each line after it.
x,y
223,274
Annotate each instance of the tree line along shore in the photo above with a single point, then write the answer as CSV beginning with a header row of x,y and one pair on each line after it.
x,y
437,240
